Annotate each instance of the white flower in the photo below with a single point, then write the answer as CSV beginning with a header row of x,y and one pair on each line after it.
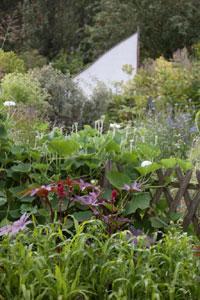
x,y
115,126
146,163
9,103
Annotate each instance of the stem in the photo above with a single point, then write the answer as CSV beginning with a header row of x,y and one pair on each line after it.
x,y
60,209
5,36
48,203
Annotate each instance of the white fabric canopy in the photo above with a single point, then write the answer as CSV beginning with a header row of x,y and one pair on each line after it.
x,y
108,68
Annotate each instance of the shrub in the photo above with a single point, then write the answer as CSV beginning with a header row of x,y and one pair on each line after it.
x,y
10,62
68,104
33,59
68,63
65,99
22,88
166,82
98,104
171,133
26,121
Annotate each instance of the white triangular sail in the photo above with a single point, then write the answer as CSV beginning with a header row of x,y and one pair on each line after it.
x,y
108,68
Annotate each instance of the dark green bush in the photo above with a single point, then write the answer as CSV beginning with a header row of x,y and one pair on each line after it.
x,y
67,103
32,59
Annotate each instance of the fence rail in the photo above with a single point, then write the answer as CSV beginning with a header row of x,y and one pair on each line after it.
x,y
187,192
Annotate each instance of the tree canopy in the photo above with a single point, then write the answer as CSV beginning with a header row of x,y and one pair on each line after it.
x,y
90,27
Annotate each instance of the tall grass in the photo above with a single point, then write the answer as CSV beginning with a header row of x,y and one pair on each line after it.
x,y
52,263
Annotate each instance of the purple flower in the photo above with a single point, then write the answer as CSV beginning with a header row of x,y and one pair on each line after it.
x,y
16,226
91,199
84,185
135,233
193,129
133,187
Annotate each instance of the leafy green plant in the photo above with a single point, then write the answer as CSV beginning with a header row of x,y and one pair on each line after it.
x,y
50,262
166,82
65,100
22,88
67,103
107,159
68,63
10,62
25,122
33,59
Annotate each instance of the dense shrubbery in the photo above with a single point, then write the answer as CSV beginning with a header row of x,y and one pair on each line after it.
x,y
112,160
65,99
67,102
89,27
71,64
33,59
9,63
166,83
172,133
22,88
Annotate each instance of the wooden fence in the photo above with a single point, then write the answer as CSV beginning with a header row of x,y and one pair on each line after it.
x,y
187,192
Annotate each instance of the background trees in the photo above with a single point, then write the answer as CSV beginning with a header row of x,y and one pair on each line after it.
x,y
87,28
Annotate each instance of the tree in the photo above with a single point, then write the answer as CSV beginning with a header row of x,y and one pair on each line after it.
x,y
164,25
115,21
50,26
10,24
36,26
167,25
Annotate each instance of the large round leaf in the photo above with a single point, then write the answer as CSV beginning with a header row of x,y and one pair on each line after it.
x,y
63,147
141,200
118,179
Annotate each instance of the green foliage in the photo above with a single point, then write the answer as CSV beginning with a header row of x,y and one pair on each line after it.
x,y
113,22
196,50
25,122
138,201
176,23
166,82
97,105
10,62
169,132
10,29
51,262
67,102
83,154
71,63
36,25
63,147
22,88
50,26
90,27
33,59
118,179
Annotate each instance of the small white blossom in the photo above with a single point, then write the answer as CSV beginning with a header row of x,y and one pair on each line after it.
x,y
115,125
146,163
9,103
